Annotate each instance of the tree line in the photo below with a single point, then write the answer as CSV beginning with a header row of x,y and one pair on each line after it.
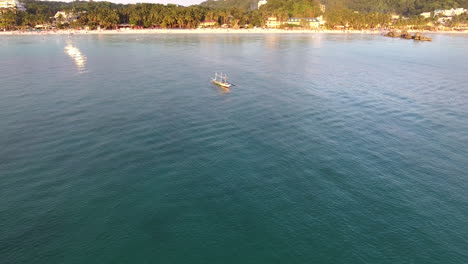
x,y
400,7
108,15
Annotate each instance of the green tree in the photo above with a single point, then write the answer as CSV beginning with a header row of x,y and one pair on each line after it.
x,y
9,20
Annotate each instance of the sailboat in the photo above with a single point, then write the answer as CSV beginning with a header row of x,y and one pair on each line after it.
x,y
221,80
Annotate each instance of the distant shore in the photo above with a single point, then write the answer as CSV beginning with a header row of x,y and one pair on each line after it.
x,y
209,31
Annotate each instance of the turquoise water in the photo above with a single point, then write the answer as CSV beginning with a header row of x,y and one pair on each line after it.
x,y
329,149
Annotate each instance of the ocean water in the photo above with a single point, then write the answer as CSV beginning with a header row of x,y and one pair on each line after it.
x,y
329,149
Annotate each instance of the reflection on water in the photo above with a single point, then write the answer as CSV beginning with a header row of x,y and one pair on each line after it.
x,y
77,56
317,41
221,89
272,42
224,89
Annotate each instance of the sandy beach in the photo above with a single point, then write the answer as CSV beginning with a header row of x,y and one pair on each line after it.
x,y
207,31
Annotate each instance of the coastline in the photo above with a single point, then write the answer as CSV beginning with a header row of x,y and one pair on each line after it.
x,y
209,31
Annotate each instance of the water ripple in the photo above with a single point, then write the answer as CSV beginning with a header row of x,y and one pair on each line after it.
x,y
353,142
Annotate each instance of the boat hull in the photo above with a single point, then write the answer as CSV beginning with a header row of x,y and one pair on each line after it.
x,y
222,84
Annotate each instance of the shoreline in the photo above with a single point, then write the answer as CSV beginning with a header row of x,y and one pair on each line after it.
x,y
210,31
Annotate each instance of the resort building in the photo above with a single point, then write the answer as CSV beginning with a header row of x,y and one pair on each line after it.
x,y
323,8
304,22
342,27
11,5
459,11
273,22
207,23
449,12
321,20
124,26
425,14
444,20
43,26
65,17
261,2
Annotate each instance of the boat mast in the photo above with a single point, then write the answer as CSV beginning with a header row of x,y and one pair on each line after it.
x,y
220,77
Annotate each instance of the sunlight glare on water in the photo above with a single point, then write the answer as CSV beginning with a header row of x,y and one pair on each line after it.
x,y
77,56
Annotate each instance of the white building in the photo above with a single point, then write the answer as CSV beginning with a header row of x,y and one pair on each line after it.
x,y
304,21
444,20
65,16
262,2
459,11
11,5
273,22
449,12
62,14
321,20
425,14
323,8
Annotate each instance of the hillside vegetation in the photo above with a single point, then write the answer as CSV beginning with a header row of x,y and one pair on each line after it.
x,y
403,7
229,13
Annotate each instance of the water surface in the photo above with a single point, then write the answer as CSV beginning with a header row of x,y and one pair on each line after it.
x,y
329,149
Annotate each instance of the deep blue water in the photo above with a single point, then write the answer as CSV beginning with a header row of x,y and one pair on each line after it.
x,y
329,149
